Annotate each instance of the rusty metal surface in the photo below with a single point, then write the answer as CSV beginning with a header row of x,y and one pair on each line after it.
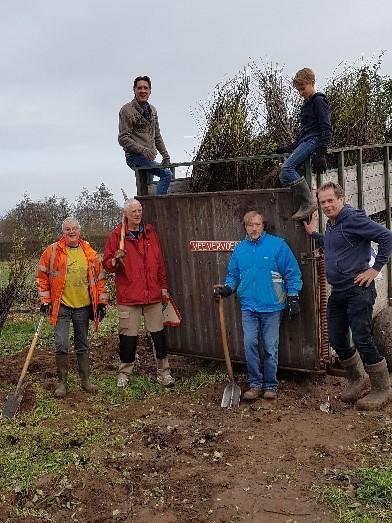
x,y
180,219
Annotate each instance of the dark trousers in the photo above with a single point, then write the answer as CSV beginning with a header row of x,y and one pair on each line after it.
x,y
80,321
353,308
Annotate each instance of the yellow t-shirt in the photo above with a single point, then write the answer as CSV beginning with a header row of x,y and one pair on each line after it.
x,y
75,292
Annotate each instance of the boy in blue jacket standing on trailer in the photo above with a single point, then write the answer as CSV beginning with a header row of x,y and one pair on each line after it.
x,y
266,276
313,140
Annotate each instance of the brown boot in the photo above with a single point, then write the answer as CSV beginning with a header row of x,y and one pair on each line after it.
x,y
164,377
84,372
270,394
381,391
358,381
252,394
62,372
303,200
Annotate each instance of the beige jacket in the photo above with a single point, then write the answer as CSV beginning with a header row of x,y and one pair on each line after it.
x,y
137,135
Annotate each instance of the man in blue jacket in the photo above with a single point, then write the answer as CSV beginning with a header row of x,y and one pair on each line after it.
x,y
266,276
347,246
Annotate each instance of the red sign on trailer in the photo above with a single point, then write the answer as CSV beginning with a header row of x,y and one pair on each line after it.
x,y
212,245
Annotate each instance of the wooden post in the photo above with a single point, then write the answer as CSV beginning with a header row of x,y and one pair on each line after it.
x,y
360,178
341,177
387,187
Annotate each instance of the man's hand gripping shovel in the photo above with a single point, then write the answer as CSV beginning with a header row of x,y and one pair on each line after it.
x,y
232,393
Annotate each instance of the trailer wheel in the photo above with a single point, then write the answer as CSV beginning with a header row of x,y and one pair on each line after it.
x,y
382,333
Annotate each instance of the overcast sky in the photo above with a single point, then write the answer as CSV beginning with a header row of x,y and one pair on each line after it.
x,y
66,69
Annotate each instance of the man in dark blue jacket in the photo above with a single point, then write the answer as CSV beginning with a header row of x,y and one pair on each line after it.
x,y
313,139
347,246
266,276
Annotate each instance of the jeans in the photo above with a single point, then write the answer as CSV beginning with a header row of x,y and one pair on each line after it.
x,y
264,326
138,160
80,320
289,173
353,308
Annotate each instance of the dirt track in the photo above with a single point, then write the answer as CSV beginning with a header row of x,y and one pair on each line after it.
x,y
186,459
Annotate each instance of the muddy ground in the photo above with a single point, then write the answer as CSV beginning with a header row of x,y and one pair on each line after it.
x,y
187,459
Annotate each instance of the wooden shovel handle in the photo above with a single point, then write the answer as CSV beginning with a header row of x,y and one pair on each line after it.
x,y
122,234
224,338
29,355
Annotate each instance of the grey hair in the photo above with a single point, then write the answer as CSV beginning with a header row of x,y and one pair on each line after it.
x,y
69,219
128,203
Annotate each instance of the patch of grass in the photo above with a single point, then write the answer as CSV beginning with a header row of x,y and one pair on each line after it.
x,y
30,450
375,487
45,406
139,387
366,499
200,379
17,334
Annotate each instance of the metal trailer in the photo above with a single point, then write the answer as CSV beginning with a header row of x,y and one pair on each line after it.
x,y
198,231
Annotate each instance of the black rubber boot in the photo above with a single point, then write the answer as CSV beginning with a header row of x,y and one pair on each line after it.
x,y
358,380
84,372
303,200
62,372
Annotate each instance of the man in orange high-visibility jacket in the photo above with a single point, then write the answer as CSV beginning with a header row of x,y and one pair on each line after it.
x,y
71,286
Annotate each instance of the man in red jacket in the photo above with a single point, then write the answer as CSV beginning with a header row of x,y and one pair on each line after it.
x,y
141,288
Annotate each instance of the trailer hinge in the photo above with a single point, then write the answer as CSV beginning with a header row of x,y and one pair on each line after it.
x,y
306,257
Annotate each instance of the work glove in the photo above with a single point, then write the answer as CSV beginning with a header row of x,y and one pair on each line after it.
x,y
118,257
293,306
222,292
319,162
101,311
45,309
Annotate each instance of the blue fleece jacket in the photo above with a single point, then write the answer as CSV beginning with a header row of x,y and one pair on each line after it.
x,y
315,121
347,244
263,273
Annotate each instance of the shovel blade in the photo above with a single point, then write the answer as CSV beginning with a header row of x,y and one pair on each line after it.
x,y
11,405
231,396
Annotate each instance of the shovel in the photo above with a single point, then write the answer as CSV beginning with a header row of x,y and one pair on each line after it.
x,y
232,393
14,400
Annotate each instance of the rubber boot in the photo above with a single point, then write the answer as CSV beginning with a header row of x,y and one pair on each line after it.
x,y
381,391
124,370
358,381
303,200
84,372
62,372
164,377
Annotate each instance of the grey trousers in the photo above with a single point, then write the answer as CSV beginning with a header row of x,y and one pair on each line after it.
x,y
80,320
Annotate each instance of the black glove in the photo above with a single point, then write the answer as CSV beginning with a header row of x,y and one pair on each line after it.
x,y
45,309
319,162
222,292
293,306
101,311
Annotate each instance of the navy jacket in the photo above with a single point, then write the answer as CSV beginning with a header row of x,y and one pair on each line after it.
x,y
347,245
315,121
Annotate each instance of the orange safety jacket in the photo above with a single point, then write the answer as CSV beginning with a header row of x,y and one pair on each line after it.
x,y
52,271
